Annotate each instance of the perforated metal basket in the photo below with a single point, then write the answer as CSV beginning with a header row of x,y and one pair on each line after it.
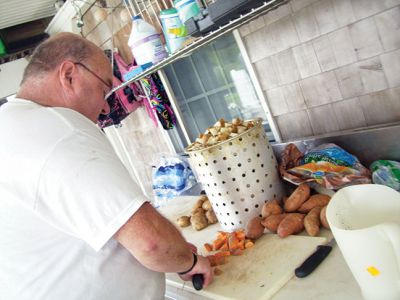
x,y
239,175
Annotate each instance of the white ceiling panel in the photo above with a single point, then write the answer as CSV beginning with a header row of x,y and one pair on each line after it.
x,y
14,12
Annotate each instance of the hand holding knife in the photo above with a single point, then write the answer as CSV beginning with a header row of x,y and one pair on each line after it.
x,y
313,261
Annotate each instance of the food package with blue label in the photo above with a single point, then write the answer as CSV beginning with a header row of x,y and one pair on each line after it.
x,y
327,165
171,177
386,172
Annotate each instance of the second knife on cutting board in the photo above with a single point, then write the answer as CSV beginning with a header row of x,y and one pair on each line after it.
x,y
314,260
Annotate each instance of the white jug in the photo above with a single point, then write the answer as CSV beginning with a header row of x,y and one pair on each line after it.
x,y
365,221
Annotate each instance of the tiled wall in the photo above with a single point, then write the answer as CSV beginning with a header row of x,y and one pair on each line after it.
x,y
328,65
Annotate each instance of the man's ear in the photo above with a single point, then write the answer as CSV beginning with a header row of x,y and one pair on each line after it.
x,y
67,75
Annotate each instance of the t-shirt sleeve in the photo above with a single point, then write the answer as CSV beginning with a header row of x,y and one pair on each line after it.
x,y
84,189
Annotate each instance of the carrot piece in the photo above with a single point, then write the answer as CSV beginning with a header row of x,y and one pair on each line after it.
x,y
208,247
216,260
248,244
217,244
224,247
222,253
217,271
240,234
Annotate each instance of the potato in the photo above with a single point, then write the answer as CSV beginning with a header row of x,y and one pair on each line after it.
x,y
199,202
197,210
207,205
297,198
291,224
272,222
254,228
313,201
183,221
199,221
312,222
323,219
272,207
211,217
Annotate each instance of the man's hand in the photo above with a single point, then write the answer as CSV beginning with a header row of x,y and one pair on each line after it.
x,y
202,267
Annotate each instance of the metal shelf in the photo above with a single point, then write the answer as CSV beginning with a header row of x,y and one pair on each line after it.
x,y
233,24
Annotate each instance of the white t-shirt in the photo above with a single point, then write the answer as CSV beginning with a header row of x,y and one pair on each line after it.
x,y
63,195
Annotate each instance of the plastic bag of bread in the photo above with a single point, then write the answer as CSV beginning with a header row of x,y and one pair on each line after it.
x,y
327,165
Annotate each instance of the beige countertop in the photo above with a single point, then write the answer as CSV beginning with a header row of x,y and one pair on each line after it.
x,y
331,280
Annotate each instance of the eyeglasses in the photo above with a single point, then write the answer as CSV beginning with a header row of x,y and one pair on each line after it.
x,y
108,94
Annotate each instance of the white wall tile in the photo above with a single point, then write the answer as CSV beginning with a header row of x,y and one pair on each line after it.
x,y
365,38
343,12
320,89
244,30
256,44
391,67
306,24
267,75
306,60
342,46
256,24
349,114
388,24
372,75
349,79
276,101
381,107
366,8
324,52
294,125
286,67
299,4
282,35
293,97
277,14
325,16
323,119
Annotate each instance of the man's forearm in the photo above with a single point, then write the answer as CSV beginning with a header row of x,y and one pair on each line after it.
x,y
155,241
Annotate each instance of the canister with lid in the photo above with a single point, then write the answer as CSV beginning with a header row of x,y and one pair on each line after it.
x,y
174,31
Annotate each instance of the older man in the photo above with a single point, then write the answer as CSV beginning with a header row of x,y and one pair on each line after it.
x,y
73,224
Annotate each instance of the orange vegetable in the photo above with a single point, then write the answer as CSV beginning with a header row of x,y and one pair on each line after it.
x,y
222,253
248,244
208,247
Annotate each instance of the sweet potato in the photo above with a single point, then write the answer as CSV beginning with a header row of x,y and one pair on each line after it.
x,y
323,219
208,247
291,224
272,222
272,207
206,205
297,198
254,229
248,244
312,222
315,200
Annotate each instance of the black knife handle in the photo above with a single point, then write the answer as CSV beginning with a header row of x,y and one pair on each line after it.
x,y
312,261
197,281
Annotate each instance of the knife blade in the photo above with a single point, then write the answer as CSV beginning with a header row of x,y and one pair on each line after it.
x,y
313,261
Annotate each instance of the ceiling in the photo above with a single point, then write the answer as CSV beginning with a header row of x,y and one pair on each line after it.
x,y
15,12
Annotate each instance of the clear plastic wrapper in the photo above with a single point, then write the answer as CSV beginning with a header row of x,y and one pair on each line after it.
x,y
386,172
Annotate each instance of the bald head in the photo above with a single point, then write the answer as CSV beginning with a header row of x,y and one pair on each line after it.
x,y
58,48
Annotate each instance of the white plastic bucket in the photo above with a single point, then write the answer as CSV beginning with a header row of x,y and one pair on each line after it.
x,y
239,175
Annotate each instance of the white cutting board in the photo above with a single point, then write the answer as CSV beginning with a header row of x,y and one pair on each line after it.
x,y
257,274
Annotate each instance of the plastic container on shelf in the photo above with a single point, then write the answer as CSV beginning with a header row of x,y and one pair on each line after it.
x,y
174,30
186,9
145,43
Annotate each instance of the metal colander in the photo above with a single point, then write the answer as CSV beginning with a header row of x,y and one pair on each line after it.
x,y
239,175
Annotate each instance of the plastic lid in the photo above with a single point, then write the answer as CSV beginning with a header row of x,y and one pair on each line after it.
x,y
168,11
177,2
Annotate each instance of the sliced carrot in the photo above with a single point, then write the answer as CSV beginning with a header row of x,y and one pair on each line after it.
x,y
208,247
224,247
222,253
248,244
240,234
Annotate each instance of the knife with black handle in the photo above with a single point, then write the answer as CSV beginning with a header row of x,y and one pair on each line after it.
x,y
314,260
198,281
